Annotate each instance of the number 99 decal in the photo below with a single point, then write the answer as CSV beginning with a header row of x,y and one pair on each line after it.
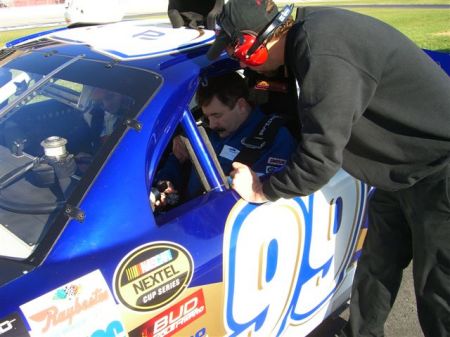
x,y
286,259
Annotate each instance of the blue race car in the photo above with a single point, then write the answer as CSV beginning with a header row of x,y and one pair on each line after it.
x,y
83,253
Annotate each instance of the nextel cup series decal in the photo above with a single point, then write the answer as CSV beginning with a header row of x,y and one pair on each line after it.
x,y
152,275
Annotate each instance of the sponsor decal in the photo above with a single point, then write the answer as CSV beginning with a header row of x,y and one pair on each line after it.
x,y
114,329
12,326
175,318
229,152
152,276
200,333
80,308
276,161
276,86
271,169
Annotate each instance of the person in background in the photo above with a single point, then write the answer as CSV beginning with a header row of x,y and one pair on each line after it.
x,y
373,103
194,13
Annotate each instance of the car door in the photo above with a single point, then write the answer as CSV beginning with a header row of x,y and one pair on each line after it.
x,y
272,269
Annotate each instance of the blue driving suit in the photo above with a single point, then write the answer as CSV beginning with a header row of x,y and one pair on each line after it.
x,y
272,158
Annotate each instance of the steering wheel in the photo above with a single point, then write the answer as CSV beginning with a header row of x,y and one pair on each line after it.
x,y
21,207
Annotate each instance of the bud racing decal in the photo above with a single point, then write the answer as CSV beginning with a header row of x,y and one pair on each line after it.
x,y
152,276
12,326
174,319
83,307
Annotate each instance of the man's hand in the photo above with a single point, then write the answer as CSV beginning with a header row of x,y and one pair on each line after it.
x,y
166,195
179,149
246,183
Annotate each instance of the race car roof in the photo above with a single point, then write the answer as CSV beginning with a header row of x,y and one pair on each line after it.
x,y
130,40
127,40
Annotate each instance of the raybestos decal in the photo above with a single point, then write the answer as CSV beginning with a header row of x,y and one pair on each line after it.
x,y
83,307
152,276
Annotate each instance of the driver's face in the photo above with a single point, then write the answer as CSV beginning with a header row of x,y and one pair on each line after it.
x,y
111,101
221,118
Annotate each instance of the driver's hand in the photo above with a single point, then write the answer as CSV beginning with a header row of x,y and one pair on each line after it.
x,y
179,149
165,186
168,195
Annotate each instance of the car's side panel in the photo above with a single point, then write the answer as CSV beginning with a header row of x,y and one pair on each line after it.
x,y
269,286
289,259
442,59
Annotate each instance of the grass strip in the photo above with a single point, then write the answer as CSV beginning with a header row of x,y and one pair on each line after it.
x,y
428,28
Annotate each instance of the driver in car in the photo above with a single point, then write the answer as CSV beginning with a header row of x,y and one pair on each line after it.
x,y
106,114
236,130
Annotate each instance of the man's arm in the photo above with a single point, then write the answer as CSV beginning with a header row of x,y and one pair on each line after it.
x,y
334,94
246,181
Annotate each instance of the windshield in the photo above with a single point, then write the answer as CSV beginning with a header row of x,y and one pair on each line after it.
x,y
56,115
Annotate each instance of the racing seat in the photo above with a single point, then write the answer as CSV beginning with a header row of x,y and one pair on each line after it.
x,y
194,13
275,95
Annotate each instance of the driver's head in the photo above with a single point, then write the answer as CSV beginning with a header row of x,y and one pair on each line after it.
x,y
223,100
112,102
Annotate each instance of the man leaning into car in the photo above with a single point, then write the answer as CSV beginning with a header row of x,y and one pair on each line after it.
x,y
374,104
232,126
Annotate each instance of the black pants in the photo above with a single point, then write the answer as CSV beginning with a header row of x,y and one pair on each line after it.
x,y
409,224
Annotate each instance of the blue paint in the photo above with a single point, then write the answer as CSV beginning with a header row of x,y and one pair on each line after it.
x,y
272,260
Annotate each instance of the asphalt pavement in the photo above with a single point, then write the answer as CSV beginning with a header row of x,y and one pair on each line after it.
x,y
402,321
12,18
